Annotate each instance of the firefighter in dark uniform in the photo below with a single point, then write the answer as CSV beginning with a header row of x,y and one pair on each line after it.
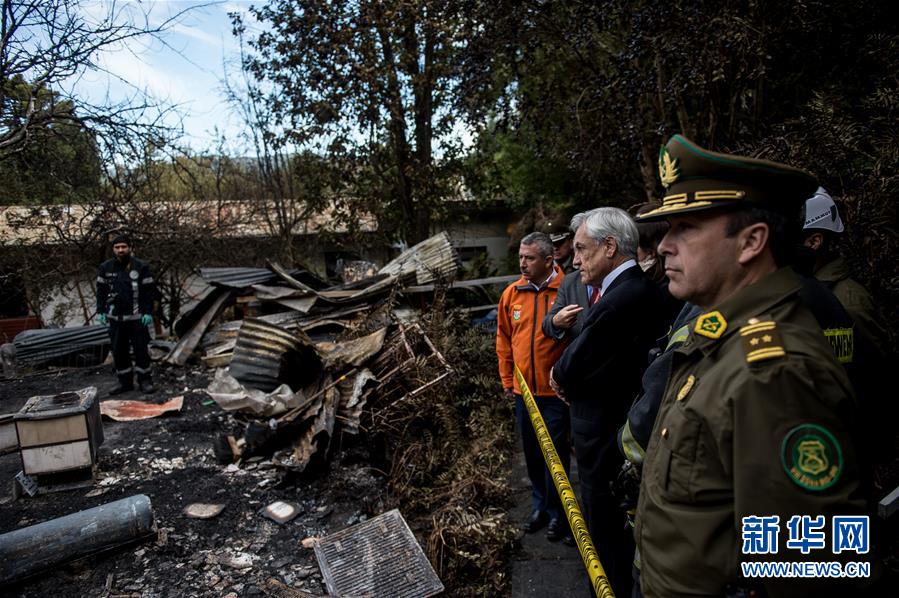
x,y
757,417
125,293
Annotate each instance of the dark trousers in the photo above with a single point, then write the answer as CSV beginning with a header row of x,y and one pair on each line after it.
x,y
130,333
555,415
598,462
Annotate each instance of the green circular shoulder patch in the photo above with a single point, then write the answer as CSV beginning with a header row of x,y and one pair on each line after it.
x,y
812,457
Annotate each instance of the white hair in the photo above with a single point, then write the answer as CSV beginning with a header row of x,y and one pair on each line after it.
x,y
602,223
577,220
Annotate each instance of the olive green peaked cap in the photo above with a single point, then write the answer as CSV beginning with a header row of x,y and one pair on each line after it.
x,y
696,179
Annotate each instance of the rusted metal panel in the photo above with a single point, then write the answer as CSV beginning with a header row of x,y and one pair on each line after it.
x,y
126,411
267,356
10,327
378,557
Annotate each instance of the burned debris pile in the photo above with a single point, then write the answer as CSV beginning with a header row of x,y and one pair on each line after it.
x,y
273,375
296,360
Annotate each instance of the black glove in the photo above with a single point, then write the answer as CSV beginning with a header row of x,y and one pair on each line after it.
x,y
626,487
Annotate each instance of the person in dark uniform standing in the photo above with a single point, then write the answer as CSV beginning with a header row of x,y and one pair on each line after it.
x,y
125,293
566,317
822,227
757,421
563,244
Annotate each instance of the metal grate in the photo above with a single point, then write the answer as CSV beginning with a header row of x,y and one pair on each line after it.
x,y
375,558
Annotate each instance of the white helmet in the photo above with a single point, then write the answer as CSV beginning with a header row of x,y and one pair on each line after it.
x,y
821,212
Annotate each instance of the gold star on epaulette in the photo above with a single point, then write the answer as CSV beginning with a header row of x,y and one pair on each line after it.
x,y
761,341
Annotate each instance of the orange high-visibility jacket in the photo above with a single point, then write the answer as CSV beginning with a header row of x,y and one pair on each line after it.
x,y
519,338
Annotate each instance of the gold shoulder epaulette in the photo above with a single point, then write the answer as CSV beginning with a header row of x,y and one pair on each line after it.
x,y
761,341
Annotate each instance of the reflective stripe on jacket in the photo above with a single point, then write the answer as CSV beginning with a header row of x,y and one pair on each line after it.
x,y
125,291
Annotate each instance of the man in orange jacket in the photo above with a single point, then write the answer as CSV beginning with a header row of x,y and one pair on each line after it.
x,y
520,341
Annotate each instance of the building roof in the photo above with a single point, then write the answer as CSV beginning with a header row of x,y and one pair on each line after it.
x,y
53,224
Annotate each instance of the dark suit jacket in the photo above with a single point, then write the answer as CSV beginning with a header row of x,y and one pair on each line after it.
x,y
572,291
600,371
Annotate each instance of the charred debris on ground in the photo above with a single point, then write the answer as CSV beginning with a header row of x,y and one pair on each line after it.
x,y
323,405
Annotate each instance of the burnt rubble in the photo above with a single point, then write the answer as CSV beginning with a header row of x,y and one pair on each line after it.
x,y
273,373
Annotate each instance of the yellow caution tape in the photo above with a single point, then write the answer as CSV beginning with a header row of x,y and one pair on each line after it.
x,y
572,511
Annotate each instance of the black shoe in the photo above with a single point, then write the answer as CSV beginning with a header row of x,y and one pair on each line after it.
x,y
120,389
146,387
557,529
536,522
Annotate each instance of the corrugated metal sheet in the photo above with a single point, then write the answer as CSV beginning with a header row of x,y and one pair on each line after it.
x,y
378,557
37,346
237,278
290,320
267,356
431,259
298,279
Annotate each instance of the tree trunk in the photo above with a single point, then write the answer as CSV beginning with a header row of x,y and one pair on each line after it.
x,y
397,128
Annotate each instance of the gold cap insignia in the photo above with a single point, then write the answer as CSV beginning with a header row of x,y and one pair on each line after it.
x,y
710,325
668,168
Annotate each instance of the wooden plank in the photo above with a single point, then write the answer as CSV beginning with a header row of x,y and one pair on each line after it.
x,y
37,432
59,457
186,345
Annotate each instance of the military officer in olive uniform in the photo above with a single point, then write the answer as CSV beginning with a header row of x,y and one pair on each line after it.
x,y
757,414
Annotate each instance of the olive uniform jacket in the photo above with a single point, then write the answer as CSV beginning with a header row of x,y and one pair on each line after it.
x,y
857,301
757,420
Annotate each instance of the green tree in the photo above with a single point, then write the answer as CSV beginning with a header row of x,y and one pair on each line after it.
x,y
598,87
371,84
59,164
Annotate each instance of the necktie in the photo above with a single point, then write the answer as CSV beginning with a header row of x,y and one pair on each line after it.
x,y
594,296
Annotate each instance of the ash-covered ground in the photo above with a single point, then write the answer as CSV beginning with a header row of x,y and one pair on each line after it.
x,y
171,460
